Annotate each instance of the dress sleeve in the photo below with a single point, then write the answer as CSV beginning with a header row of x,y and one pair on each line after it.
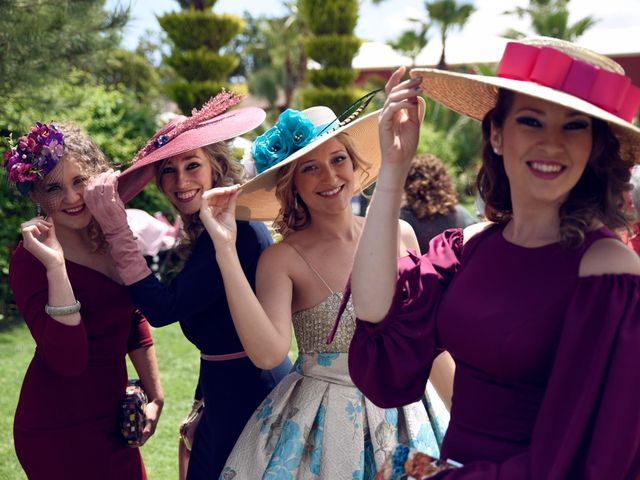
x,y
199,285
390,361
140,334
589,422
63,348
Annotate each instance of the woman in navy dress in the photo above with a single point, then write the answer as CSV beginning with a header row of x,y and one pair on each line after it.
x,y
187,157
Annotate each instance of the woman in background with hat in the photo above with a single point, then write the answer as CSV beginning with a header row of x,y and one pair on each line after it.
x,y
65,283
315,424
187,157
541,308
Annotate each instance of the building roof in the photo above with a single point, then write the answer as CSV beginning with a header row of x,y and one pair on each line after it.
x,y
486,49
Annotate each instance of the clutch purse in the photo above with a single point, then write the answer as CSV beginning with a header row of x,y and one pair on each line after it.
x,y
131,416
190,423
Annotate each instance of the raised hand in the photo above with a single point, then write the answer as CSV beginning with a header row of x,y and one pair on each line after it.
x,y
39,238
101,196
218,214
399,126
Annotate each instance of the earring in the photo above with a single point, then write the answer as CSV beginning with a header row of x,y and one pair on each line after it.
x,y
497,150
38,210
295,201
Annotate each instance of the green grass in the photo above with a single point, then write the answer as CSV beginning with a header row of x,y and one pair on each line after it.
x,y
178,363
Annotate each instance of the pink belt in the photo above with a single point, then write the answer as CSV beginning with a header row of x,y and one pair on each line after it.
x,y
222,358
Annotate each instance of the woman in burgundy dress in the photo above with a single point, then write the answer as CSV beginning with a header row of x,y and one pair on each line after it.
x,y
540,309
79,313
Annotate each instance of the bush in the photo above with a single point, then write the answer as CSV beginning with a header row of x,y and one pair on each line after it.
x,y
202,64
190,95
332,50
329,16
332,77
193,29
337,99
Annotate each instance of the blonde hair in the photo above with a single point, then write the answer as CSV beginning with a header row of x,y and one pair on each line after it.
x,y
224,170
294,214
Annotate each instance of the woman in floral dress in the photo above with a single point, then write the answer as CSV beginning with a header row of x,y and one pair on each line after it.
x,y
316,423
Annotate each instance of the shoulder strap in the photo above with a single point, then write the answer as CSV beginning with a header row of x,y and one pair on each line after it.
x,y
311,267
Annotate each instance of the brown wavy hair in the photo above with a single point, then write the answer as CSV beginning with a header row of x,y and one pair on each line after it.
x,y
91,161
428,189
294,215
597,195
225,170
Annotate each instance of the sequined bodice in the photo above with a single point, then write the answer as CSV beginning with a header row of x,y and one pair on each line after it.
x,y
312,326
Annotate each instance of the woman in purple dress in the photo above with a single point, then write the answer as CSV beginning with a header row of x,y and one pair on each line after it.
x,y
72,298
540,308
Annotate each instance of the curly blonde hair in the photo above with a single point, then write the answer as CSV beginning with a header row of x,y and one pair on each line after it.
x,y
91,161
294,214
224,170
428,189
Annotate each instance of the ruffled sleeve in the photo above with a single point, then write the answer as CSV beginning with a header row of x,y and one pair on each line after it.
x,y
589,422
390,361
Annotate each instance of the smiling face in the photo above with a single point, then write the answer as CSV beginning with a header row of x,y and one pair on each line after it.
x,y
185,177
63,190
545,148
324,178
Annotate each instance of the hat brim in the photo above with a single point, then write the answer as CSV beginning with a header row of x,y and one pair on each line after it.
x,y
223,127
257,199
474,95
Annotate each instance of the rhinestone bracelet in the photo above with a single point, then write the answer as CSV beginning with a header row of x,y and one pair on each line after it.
x,y
63,310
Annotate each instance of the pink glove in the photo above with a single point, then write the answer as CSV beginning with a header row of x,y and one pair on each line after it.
x,y
101,196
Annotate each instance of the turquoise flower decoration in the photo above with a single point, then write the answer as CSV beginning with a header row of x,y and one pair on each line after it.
x,y
292,131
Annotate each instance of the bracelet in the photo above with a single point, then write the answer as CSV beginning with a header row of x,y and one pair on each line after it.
x,y
63,310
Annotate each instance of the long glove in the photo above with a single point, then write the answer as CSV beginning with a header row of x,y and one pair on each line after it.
x,y
101,196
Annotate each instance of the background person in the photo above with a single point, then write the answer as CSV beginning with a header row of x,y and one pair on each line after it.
x,y
430,201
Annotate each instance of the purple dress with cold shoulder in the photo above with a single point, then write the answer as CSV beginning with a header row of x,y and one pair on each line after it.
x,y
546,383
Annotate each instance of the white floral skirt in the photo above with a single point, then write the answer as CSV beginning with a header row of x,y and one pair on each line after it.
x,y
317,425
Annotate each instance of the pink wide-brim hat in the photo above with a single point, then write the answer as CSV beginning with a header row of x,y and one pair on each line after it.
x,y
221,127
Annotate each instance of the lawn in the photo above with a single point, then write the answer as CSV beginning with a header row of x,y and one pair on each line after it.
x,y
178,362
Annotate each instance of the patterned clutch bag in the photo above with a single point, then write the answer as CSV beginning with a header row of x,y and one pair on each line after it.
x,y
409,463
132,418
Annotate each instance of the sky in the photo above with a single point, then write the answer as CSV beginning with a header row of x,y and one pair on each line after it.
x,y
616,31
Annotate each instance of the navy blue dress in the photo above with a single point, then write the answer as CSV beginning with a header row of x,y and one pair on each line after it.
x,y
232,389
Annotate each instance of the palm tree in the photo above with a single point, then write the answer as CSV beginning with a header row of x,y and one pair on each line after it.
x,y
411,42
550,18
447,14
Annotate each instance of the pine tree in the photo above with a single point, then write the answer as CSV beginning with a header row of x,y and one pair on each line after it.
x,y
332,45
198,35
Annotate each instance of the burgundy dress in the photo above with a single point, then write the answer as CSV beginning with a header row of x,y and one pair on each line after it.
x,y
66,420
546,383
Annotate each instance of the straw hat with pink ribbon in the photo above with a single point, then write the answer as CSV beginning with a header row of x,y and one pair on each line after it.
x,y
553,70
